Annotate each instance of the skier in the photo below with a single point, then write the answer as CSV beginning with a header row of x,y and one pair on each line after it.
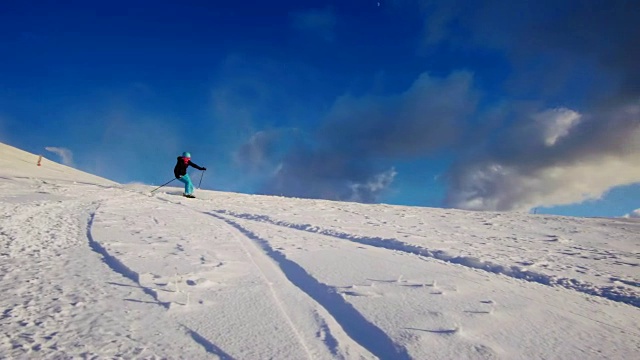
x,y
180,171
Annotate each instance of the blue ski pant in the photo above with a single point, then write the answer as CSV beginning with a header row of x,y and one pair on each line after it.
x,y
188,185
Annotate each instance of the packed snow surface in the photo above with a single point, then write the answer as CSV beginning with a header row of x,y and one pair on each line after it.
x,y
91,268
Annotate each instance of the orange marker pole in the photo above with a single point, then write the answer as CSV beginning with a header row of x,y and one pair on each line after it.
x,y
40,161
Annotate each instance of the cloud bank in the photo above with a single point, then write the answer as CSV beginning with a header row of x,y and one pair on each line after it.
x,y
349,157
552,157
562,127
555,155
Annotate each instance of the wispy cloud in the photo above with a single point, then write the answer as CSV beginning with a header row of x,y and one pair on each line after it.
x,y
369,190
635,214
65,154
124,141
320,22
133,142
261,153
255,122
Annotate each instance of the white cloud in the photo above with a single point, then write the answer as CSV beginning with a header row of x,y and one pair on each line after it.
x,y
530,166
368,191
635,214
499,187
65,154
556,124
319,22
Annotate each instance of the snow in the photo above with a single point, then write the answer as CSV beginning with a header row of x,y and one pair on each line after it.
x,y
92,268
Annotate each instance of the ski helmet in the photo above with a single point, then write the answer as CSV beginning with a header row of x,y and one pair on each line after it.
x,y
186,154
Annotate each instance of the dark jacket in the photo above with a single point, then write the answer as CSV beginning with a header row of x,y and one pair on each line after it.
x,y
181,168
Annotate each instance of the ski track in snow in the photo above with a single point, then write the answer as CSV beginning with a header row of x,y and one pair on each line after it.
x,y
335,301
323,328
357,326
49,299
341,300
262,267
613,293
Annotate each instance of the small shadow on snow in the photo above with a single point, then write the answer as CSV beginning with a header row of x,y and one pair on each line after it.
x,y
478,311
120,284
144,302
384,281
437,331
208,345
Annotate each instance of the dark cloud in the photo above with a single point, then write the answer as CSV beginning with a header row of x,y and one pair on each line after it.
x,y
563,54
322,174
545,40
565,34
262,151
428,116
350,156
565,129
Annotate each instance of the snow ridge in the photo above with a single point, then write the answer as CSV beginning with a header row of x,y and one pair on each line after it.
x,y
613,293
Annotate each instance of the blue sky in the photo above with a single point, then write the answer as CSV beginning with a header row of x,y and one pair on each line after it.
x,y
495,106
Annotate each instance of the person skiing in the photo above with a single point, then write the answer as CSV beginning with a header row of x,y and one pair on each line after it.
x,y
180,171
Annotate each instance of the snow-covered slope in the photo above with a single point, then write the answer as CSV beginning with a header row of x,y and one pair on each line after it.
x,y
18,164
91,268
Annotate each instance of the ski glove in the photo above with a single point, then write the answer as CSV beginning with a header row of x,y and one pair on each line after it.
x,y
204,169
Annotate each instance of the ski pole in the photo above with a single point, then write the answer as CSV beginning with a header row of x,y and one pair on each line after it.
x,y
201,176
163,185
